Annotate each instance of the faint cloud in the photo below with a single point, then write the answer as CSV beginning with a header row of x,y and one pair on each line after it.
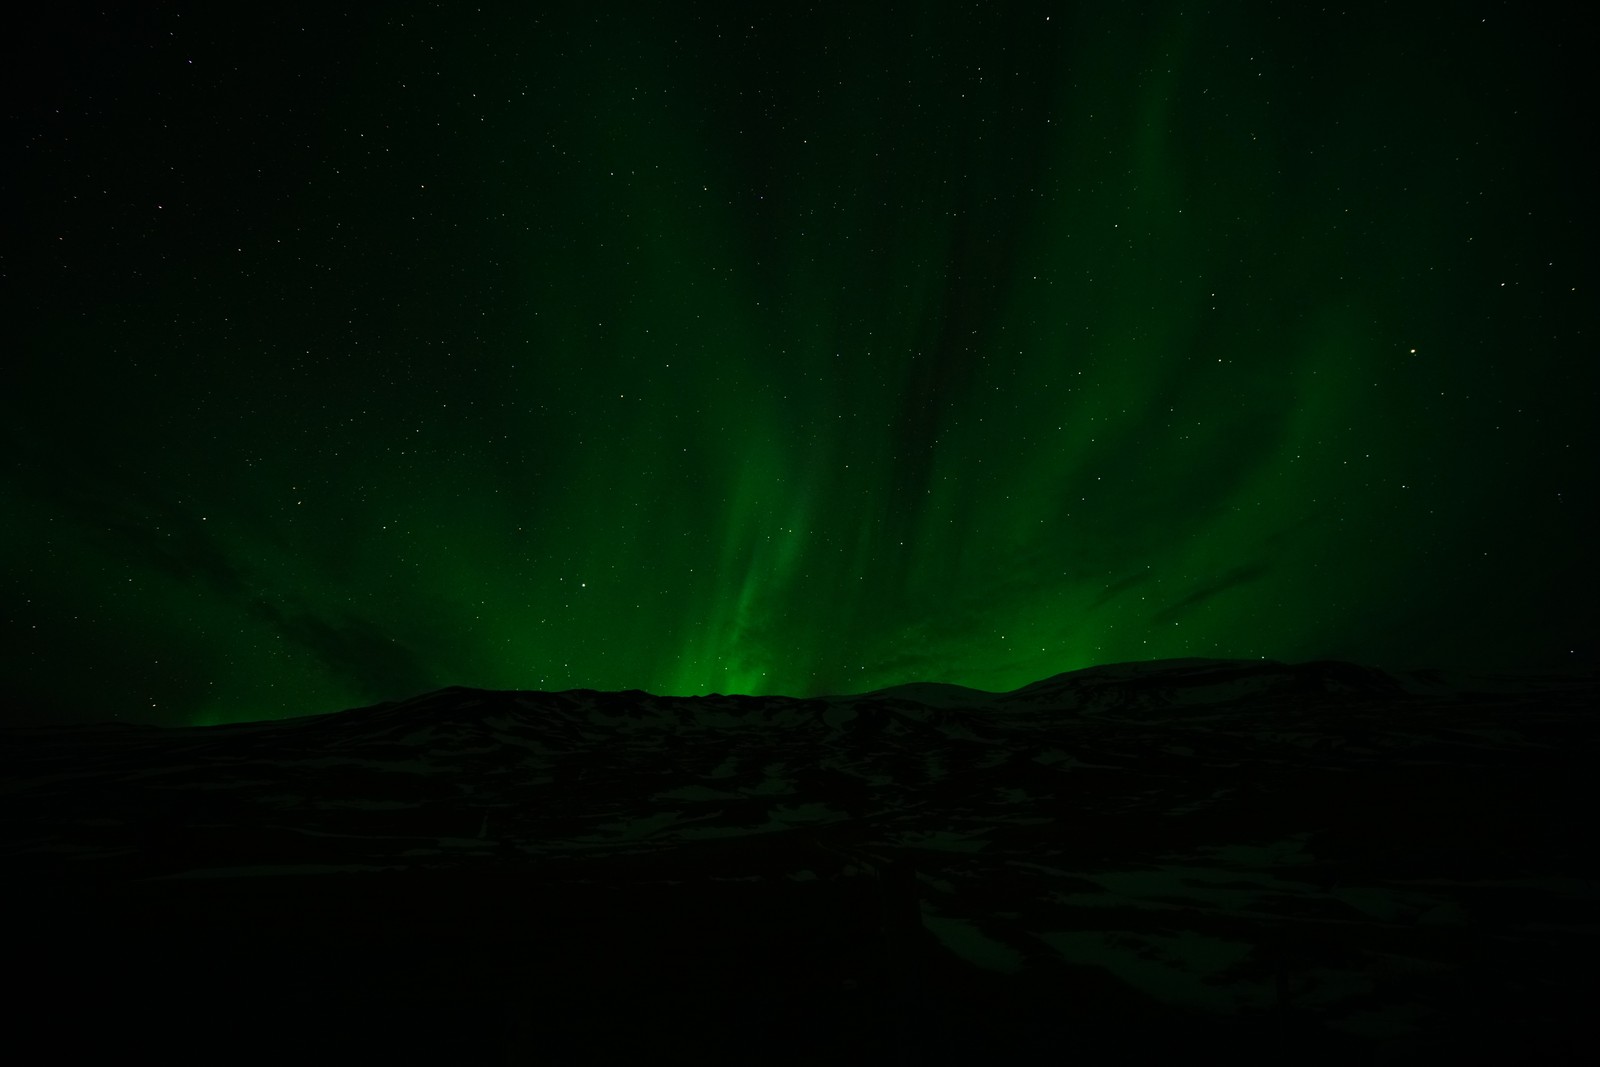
x,y
354,650
1117,588
1234,578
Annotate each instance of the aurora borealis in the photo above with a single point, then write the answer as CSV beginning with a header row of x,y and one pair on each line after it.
x,y
357,352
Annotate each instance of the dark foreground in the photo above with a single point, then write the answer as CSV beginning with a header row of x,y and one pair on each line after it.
x,y
1256,863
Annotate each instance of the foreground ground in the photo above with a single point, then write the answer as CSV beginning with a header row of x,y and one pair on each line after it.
x,y
1317,863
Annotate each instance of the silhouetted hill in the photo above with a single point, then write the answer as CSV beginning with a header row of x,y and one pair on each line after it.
x,y
1316,862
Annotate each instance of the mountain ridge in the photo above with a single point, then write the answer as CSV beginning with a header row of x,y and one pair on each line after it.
x,y
1189,846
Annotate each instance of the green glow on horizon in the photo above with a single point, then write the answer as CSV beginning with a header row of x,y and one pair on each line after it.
x,y
644,352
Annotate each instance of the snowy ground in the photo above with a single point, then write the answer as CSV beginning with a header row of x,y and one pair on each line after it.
x,y
1322,862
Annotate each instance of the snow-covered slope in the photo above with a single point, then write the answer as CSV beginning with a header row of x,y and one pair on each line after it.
x,y
1320,846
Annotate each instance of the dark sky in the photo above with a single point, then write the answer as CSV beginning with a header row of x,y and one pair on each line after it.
x,y
358,351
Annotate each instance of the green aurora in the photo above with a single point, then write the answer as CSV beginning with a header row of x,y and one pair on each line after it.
x,y
696,349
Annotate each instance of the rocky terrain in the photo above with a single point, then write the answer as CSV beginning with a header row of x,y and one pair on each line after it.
x,y
1301,863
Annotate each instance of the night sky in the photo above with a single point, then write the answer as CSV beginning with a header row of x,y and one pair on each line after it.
x,y
801,349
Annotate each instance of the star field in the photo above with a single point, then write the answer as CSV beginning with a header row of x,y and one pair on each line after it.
x,y
356,352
